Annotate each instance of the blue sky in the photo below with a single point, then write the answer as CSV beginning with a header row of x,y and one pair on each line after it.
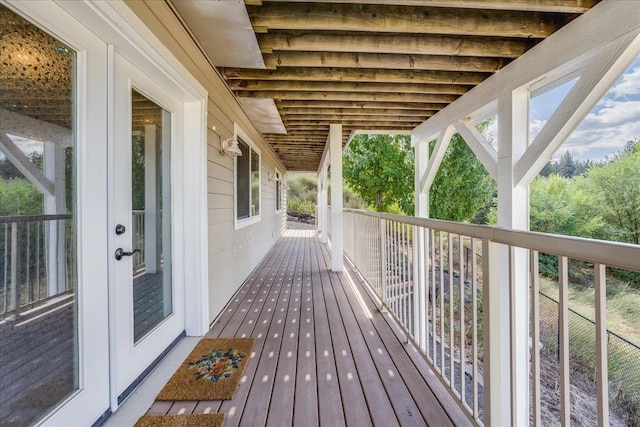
x,y
614,121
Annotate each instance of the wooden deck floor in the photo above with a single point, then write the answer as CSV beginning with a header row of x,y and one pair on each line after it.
x,y
323,355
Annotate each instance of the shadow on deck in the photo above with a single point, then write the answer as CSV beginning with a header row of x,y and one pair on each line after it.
x,y
324,354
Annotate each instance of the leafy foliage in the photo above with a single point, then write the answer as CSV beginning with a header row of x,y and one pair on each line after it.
x,y
380,169
462,185
615,190
568,166
19,197
563,206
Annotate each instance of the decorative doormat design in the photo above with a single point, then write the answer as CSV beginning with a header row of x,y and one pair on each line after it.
x,y
211,372
190,420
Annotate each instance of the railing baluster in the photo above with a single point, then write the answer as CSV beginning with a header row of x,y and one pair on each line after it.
x,y
474,321
383,263
512,337
463,346
434,348
535,338
28,279
602,371
441,264
14,267
38,247
563,315
451,315
6,267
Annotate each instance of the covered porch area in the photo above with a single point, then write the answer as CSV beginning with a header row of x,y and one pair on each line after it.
x,y
324,354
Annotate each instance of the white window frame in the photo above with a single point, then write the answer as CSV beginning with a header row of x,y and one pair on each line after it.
x,y
279,200
245,222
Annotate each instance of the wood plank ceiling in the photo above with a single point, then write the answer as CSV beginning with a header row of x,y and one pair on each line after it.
x,y
381,65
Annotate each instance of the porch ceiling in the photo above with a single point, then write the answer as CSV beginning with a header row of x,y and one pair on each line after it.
x,y
383,65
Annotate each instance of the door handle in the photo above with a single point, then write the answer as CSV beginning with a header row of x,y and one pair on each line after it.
x,y
121,253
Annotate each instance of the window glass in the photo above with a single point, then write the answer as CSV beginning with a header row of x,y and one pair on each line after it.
x,y
38,275
243,197
255,183
278,192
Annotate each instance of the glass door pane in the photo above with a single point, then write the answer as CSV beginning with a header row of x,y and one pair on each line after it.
x,y
151,216
38,277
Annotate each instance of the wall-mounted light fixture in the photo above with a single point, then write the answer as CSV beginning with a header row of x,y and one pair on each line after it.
x,y
230,147
272,176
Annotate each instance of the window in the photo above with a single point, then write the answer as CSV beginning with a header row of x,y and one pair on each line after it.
x,y
247,181
278,193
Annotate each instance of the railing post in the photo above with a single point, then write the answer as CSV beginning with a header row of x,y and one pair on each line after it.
x,y
383,264
13,305
495,326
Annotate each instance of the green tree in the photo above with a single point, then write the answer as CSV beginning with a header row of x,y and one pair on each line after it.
x,y
615,188
563,206
19,197
567,165
462,185
380,168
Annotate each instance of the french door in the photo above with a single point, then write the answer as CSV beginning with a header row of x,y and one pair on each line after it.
x,y
148,303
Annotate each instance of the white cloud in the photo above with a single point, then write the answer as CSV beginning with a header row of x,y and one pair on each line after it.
x,y
629,84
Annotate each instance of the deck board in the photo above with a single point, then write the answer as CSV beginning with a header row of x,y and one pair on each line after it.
x,y
323,355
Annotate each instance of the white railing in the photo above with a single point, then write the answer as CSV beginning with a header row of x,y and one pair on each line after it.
x,y
441,281
37,261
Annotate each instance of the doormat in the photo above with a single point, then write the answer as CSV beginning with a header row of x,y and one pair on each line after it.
x,y
190,420
211,372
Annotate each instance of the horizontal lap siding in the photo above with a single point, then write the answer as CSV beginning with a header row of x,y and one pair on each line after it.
x,y
233,254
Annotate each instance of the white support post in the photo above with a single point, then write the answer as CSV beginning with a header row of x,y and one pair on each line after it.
x,y
151,200
318,204
337,243
324,237
495,302
513,213
421,150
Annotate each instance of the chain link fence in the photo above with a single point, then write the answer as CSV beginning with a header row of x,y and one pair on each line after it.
x,y
624,357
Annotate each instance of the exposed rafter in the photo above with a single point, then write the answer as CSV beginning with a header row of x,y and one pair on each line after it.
x,y
556,6
396,43
391,61
383,18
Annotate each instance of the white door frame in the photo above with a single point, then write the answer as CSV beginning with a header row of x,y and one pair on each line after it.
x,y
115,24
129,360
91,400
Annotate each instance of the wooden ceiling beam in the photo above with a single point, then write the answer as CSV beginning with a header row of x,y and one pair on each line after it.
x,y
354,112
337,118
358,75
557,6
284,105
361,124
383,61
352,96
280,85
404,19
393,43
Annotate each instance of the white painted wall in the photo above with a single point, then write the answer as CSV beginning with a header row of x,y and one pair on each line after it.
x,y
233,254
